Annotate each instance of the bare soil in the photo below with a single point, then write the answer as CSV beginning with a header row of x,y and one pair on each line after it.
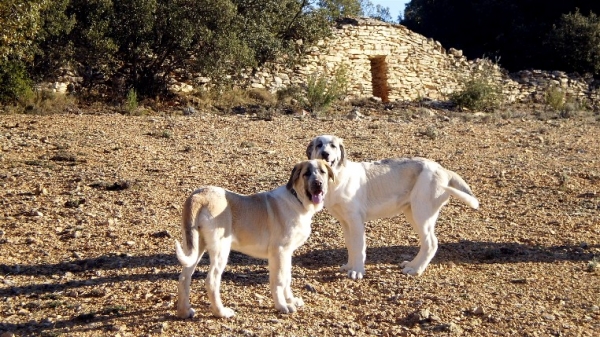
x,y
91,207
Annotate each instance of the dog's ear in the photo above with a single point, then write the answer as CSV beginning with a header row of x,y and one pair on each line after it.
x,y
329,171
294,176
343,153
310,148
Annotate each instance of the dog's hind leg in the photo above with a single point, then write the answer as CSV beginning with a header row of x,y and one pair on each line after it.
x,y
219,252
184,307
422,218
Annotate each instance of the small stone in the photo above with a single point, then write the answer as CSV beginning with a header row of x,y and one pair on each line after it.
x,y
130,243
419,316
310,288
354,114
188,110
454,328
30,241
160,327
478,311
37,213
162,234
77,255
548,317
77,234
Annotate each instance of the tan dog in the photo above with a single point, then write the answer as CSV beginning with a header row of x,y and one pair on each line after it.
x,y
268,225
367,191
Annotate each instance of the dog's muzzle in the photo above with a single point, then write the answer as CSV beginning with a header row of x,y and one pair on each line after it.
x,y
326,157
316,193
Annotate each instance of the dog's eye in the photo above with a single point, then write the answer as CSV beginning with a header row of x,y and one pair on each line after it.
x,y
333,146
322,171
319,145
307,173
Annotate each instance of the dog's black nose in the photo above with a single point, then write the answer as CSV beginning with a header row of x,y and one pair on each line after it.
x,y
318,183
325,155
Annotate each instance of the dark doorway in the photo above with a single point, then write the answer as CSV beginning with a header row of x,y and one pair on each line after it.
x,y
379,78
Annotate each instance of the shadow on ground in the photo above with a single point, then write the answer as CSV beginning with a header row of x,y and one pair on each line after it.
x,y
461,252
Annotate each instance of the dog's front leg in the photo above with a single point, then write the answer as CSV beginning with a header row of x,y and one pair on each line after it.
x,y
354,235
280,279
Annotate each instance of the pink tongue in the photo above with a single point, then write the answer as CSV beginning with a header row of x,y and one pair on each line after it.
x,y
317,198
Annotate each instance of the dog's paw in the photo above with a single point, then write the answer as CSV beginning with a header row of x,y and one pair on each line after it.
x,y
296,301
223,312
409,269
186,313
286,308
353,273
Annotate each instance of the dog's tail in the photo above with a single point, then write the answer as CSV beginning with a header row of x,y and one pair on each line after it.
x,y
191,236
461,190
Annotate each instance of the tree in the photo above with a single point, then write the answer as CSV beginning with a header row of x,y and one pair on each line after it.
x,y
20,24
512,31
576,42
376,11
341,8
158,37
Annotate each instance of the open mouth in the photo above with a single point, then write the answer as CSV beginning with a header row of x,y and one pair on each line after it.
x,y
316,197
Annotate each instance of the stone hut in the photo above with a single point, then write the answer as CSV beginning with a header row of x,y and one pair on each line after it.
x,y
391,62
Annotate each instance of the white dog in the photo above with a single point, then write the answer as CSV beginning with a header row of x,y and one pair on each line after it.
x,y
268,225
366,191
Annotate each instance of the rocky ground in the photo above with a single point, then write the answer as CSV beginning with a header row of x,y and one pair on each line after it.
x,y
91,206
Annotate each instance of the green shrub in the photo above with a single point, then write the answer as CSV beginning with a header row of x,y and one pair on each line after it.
x,y
14,82
478,93
323,89
554,98
131,102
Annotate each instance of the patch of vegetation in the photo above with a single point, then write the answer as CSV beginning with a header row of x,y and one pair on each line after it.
x,y
554,98
54,304
479,93
592,265
323,89
44,102
131,101
114,310
430,132
262,96
15,84
160,134
65,157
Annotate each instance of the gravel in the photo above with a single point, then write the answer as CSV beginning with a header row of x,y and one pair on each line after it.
x,y
91,206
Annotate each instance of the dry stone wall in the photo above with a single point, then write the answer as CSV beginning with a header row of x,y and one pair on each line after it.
x,y
394,63
387,61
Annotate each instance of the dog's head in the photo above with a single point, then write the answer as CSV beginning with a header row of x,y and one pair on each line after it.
x,y
309,181
329,148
